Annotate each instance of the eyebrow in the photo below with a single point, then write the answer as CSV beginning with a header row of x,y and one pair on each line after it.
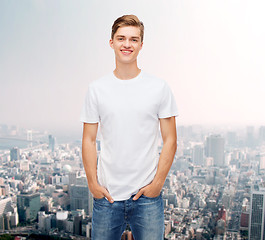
x,y
131,37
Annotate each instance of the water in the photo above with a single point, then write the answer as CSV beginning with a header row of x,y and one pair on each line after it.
x,y
10,143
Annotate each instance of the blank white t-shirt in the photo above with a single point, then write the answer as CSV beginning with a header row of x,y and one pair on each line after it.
x,y
128,112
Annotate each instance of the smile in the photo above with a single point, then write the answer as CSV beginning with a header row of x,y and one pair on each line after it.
x,y
126,52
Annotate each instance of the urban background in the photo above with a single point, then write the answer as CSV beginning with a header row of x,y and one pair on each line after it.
x,y
215,188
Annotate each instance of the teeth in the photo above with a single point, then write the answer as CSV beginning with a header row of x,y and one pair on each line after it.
x,y
127,51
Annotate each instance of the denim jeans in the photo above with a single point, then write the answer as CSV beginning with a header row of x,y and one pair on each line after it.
x,y
144,215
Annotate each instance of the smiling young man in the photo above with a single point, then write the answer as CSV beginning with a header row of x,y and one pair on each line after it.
x,y
127,179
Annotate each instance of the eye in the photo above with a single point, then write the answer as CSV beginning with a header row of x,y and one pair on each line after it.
x,y
134,40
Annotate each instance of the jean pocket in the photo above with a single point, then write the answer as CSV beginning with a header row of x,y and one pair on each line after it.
x,y
98,199
151,197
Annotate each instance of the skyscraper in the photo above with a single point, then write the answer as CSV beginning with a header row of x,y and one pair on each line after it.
x,y
250,136
231,138
256,216
215,149
261,160
51,142
5,205
262,134
79,197
28,206
197,155
14,154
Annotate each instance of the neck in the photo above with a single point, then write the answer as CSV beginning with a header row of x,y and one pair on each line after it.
x,y
126,71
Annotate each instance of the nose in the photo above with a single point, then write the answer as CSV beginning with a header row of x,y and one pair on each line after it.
x,y
127,43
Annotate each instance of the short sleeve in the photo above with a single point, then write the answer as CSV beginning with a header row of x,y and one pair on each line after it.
x,y
89,112
167,106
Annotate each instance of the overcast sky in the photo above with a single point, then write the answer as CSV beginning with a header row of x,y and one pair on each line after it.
x,y
211,53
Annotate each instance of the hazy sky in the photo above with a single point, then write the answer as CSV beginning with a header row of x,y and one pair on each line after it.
x,y
211,53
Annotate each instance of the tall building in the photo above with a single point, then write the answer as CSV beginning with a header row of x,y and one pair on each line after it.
x,y
8,214
5,205
14,154
28,206
262,134
61,219
250,136
79,197
231,138
78,224
215,148
197,155
256,216
72,177
51,142
261,160
44,222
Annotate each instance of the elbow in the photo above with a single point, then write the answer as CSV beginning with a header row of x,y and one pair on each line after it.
x,y
87,145
172,143
88,141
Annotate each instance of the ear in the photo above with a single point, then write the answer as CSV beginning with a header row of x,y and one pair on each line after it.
x,y
142,45
111,43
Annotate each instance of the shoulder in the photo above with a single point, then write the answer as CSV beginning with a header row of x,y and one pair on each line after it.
x,y
99,82
154,80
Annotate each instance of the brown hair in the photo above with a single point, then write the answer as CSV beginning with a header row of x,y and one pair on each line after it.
x,y
128,20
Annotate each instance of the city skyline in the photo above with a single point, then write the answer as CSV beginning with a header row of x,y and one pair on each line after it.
x,y
209,192
211,53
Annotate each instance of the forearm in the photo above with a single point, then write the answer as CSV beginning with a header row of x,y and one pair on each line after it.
x,y
165,162
89,156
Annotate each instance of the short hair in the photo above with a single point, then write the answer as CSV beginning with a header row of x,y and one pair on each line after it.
x,y
128,20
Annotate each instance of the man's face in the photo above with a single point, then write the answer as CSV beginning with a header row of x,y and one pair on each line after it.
x,y
126,43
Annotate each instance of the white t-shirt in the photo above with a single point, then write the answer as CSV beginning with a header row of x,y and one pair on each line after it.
x,y
128,112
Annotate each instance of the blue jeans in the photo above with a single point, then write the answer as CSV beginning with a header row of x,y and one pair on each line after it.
x,y
144,215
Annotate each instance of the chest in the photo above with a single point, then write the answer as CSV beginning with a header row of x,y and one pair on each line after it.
x,y
126,101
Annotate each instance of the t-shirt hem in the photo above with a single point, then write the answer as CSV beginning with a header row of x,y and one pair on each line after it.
x,y
122,198
89,121
168,115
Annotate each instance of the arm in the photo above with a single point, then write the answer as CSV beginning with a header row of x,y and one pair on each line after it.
x,y
169,136
89,156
